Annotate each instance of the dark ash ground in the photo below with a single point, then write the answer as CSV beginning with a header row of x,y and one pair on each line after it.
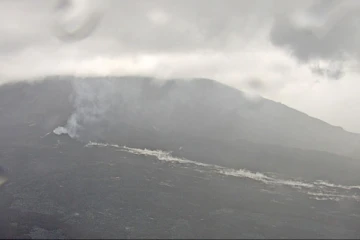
x,y
65,190
57,188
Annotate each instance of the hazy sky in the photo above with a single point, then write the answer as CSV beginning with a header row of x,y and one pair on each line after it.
x,y
304,54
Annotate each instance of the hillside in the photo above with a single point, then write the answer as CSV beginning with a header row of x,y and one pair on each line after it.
x,y
200,115
134,105
186,159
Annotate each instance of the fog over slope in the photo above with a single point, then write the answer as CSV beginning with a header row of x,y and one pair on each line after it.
x,y
177,115
113,108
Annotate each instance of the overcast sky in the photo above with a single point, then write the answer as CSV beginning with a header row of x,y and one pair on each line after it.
x,y
304,54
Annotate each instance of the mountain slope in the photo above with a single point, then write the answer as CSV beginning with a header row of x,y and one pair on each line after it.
x,y
196,119
121,108
200,107
220,179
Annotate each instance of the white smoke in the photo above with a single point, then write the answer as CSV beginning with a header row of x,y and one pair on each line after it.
x,y
91,144
60,131
92,101
327,184
318,190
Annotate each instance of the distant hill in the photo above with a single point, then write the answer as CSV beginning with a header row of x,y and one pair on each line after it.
x,y
177,114
198,107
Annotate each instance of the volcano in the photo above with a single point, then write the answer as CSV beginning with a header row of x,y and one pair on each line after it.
x,y
132,157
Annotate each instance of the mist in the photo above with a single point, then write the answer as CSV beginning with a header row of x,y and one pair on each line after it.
x,y
207,119
240,41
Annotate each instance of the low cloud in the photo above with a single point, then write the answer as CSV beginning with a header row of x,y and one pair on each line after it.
x,y
231,42
324,31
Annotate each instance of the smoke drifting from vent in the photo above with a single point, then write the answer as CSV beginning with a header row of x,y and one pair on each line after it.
x,y
92,101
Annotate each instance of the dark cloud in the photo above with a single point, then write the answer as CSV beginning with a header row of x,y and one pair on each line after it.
x,y
224,40
333,71
256,84
334,34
